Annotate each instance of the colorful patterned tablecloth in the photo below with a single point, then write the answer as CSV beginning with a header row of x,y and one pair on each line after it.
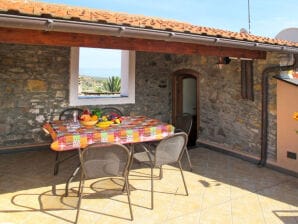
x,y
68,136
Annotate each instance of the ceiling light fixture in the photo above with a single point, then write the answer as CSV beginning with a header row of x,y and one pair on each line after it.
x,y
223,61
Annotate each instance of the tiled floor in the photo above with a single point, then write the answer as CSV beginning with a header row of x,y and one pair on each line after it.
x,y
222,189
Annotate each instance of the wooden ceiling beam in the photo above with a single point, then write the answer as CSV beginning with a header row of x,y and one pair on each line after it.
x,y
37,37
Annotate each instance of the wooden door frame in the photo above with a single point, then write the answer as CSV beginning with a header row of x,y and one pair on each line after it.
x,y
177,78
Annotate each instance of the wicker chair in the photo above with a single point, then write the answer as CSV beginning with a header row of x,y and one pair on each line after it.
x,y
101,160
169,150
66,114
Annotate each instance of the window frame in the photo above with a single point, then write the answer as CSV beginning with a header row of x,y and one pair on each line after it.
x,y
127,95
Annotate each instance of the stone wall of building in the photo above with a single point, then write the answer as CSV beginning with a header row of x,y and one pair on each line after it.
x,y
34,84
34,89
226,119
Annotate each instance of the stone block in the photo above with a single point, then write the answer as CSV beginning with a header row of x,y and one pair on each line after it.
x,y
60,94
4,128
35,85
40,119
34,111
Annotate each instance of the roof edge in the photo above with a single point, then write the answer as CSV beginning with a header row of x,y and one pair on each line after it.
x,y
60,25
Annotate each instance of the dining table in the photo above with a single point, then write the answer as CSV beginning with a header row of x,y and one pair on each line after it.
x,y
68,135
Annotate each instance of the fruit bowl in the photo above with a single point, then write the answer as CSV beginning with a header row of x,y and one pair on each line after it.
x,y
89,123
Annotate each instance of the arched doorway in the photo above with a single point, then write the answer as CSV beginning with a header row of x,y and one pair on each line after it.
x,y
186,99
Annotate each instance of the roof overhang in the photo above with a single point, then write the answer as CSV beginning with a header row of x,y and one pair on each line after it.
x,y
122,31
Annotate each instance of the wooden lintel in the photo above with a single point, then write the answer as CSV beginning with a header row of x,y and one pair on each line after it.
x,y
37,37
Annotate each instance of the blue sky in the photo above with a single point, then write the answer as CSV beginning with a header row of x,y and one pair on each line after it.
x,y
268,18
100,62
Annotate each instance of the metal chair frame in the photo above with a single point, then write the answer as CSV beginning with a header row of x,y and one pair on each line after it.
x,y
184,123
84,172
69,110
153,158
58,160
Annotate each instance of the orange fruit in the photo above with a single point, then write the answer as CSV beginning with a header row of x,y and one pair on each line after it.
x,y
85,117
94,118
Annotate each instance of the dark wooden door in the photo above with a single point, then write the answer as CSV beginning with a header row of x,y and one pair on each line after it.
x,y
186,99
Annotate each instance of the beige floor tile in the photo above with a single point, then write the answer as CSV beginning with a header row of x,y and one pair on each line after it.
x,y
190,218
273,201
281,216
182,204
217,194
222,189
217,214
247,209
15,217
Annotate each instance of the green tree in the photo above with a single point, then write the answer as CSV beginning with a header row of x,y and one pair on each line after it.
x,y
112,84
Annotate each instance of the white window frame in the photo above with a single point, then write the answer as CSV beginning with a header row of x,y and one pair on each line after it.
x,y
127,94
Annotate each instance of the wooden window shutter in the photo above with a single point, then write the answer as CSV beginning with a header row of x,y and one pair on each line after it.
x,y
247,80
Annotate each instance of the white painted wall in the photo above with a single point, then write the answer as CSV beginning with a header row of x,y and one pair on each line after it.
x,y
189,96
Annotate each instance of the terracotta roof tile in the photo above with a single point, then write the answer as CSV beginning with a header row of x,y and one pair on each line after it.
x,y
102,17
41,9
123,19
148,23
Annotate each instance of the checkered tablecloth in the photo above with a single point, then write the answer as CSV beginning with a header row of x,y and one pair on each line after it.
x,y
67,136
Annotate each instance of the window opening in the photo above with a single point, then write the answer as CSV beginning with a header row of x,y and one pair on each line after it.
x,y
101,76
99,72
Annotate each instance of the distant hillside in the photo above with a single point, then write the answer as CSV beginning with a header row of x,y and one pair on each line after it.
x,y
90,83
94,77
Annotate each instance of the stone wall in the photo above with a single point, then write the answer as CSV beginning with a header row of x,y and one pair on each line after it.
x,y
34,89
226,119
34,85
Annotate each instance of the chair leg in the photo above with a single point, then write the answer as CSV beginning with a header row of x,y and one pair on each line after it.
x,y
80,199
160,173
80,185
126,183
124,186
71,178
152,200
188,158
58,160
186,191
131,147
151,175
56,167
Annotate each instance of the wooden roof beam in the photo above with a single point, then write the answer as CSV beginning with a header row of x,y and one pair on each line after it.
x,y
37,37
